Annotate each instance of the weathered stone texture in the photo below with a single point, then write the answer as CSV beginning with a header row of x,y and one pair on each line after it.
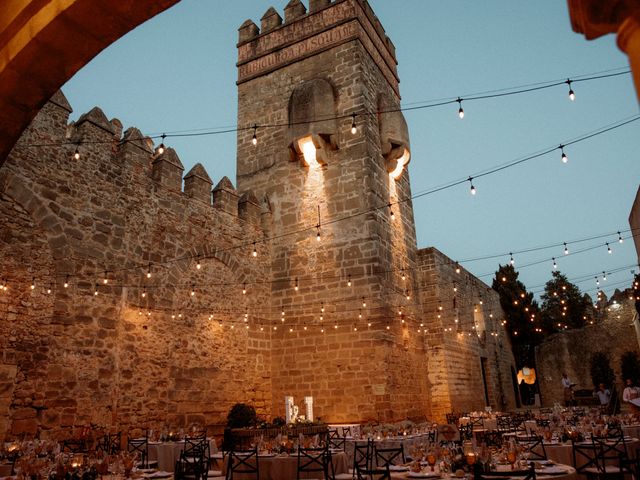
x,y
120,358
571,351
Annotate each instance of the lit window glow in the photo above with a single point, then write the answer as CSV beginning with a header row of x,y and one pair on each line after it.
x,y
308,151
402,161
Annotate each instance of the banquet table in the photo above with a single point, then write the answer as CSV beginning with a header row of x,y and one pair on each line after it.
x,y
563,452
556,472
408,442
167,453
285,467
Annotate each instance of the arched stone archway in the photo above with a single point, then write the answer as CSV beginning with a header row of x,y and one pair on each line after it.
x,y
43,43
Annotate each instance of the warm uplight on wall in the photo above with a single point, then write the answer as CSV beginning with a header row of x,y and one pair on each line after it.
x,y
401,163
309,151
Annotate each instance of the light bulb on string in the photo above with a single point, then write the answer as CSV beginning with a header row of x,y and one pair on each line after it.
x,y
555,265
66,282
597,281
620,240
604,276
244,288
254,139
472,190
322,307
404,276
144,293
457,267
76,153
407,295
609,251
296,285
511,260
566,248
349,280
193,290
318,225
255,250
460,110
149,271
161,147
364,303
105,279
198,264
95,290
572,95
564,157
354,130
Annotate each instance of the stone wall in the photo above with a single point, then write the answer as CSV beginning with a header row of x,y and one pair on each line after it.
x,y
372,373
465,337
571,351
142,352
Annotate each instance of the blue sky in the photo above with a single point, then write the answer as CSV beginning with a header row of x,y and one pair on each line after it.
x,y
177,72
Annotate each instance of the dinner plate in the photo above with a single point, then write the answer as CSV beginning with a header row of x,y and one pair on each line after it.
x,y
423,475
398,468
158,475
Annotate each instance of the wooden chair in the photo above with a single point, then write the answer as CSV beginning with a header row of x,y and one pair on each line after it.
x,y
385,457
191,468
534,445
244,462
313,460
140,446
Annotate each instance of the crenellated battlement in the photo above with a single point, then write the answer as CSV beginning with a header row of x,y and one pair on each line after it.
x,y
277,42
100,140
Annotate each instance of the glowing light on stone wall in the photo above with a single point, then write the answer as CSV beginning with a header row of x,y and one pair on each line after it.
x,y
401,162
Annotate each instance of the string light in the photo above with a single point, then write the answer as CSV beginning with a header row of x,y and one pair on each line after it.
x,y
95,291
566,248
349,280
296,285
193,290
407,295
511,261
404,276
564,157
460,110
33,283
555,265
457,267
393,217
76,154
354,130
322,307
66,282
572,95
255,250
198,264
318,225
254,139
473,189
149,271
244,288
620,240
105,280
144,293
364,302
161,147
604,276
609,249
48,289
597,281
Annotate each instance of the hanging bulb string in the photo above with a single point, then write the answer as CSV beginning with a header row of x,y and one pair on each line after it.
x,y
218,131
445,186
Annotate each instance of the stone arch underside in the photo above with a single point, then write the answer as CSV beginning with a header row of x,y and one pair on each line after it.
x,y
43,43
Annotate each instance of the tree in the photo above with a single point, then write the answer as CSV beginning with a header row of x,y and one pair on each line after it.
x,y
522,312
563,305
630,366
601,371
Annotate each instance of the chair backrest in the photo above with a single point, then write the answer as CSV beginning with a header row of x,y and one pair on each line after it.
x,y
384,457
110,443
313,460
610,450
466,431
490,438
346,431
191,467
337,443
452,418
333,433
243,462
139,446
362,455
534,445
584,456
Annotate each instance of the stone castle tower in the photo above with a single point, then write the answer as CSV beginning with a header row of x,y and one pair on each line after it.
x,y
314,75
372,327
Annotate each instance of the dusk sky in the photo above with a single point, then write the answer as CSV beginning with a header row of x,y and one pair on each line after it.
x,y
177,73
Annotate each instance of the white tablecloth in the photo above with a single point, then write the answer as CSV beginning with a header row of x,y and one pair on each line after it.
x,y
167,453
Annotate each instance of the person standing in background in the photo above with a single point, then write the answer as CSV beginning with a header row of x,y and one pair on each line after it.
x,y
567,390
